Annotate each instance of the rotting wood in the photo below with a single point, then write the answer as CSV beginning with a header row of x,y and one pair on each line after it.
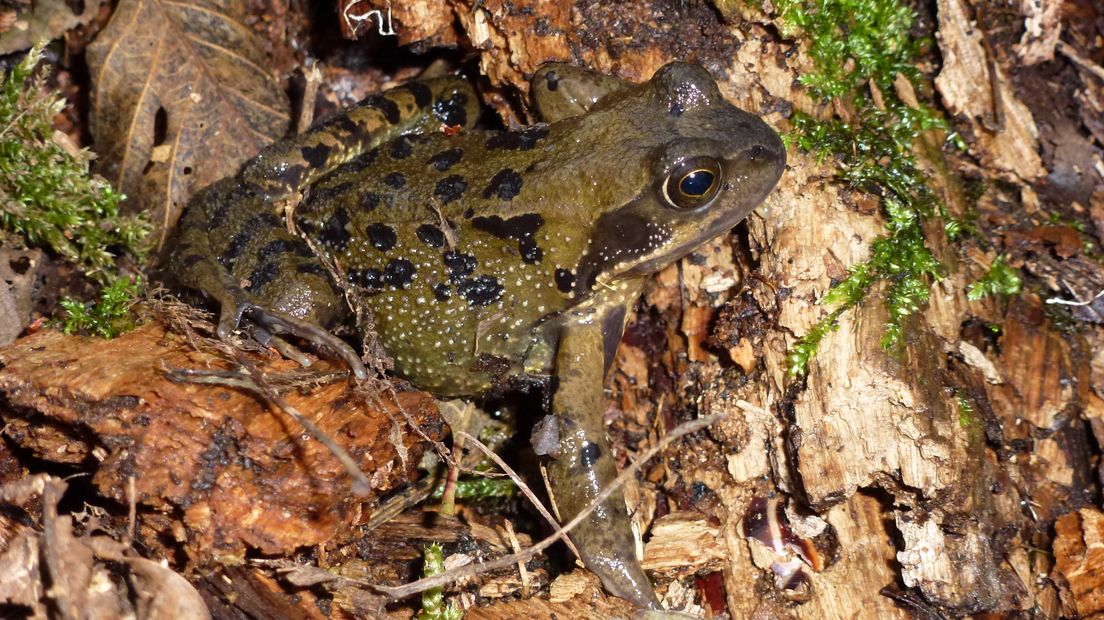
x,y
228,473
1079,569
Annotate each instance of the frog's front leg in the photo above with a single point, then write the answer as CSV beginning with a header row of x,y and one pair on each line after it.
x,y
582,465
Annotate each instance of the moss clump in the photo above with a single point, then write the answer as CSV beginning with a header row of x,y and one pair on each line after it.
x,y
106,318
48,199
1001,279
47,195
433,599
860,48
851,41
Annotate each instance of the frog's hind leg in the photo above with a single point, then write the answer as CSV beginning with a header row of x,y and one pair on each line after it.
x,y
418,107
232,249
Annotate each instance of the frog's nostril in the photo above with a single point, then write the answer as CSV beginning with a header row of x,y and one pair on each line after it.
x,y
761,153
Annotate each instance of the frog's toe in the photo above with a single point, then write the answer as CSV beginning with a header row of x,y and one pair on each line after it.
x,y
280,323
233,302
283,347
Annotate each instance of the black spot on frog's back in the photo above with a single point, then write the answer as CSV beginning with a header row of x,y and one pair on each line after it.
x,y
278,247
446,159
396,180
450,188
327,193
518,140
399,148
234,249
359,164
422,94
522,227
481,290
381,236
262,222
565,280
315,156
505,184
389,109
517,227
590,454
399,272
334,234
263,275
311,268
342,124
459,264
431,235
370,280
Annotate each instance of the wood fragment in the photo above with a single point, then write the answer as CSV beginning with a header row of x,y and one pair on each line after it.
x,y
1079,562
964,82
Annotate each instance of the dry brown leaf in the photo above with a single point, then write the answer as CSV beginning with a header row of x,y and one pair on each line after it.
x,y
42,19
18,271
188,75
164,593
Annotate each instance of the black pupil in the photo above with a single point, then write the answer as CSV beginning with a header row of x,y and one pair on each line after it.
x,y
697,183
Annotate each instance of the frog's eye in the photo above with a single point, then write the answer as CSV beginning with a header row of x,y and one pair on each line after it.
x,y
692,183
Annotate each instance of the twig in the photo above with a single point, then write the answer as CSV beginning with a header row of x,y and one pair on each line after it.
x,y
256,383
421,585
361,486
1075,302
524,489
59,589
313,78
516,546
132,509
1080,60
395,506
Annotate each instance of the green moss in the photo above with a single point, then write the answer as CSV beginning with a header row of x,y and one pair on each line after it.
x,y
1059,219
966,415
433,599
479,488
47,196
857,44
851,41
1001,279
106,318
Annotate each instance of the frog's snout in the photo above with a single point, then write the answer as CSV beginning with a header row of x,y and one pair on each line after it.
x,y
765,153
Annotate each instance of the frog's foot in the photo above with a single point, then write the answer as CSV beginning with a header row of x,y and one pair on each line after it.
x,y
621,577
236,305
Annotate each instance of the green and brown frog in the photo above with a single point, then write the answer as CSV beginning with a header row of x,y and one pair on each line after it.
x,y
488,259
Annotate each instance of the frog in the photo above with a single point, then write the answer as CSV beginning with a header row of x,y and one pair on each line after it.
x,y
489,260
